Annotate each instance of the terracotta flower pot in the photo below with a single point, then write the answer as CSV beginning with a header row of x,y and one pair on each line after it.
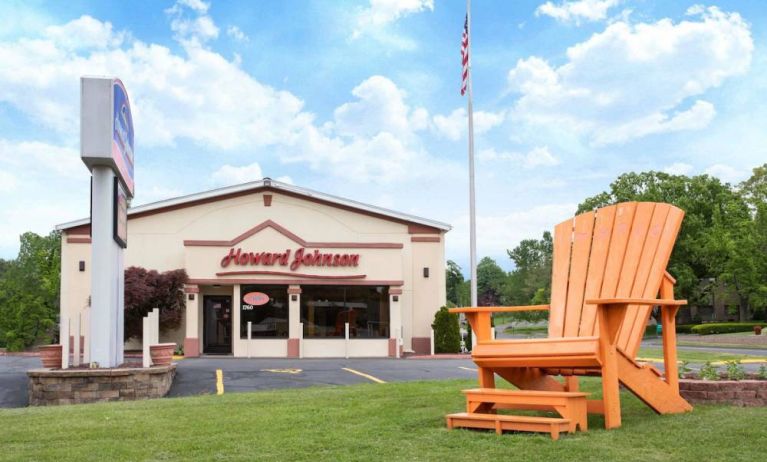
x,y
162,353
50,355
758,330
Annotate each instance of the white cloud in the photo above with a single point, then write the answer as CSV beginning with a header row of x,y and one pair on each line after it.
x,y
236,33
230,175
380,107
36,158
632,80
8,182
380,13
537,157
727,173
575,11
497,233
678,168
193,30
455,125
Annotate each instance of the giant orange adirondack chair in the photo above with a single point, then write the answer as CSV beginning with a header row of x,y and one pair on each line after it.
x,y
609,270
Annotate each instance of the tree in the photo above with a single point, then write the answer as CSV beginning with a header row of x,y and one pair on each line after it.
x,y
29,292
447,336
490,282
148,289
454,280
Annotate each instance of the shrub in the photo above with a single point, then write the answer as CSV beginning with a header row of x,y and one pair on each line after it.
x,y
709,372
684,328
762,374
447,335
148,289
684,369
725,327
735,371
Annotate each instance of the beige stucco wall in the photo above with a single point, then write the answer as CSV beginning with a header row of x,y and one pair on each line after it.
x,y
157,242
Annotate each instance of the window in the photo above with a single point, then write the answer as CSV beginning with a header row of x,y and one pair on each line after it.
x,y
326,309
266,307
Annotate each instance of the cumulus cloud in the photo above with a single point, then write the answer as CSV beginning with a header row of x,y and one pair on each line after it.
x,y
195,28
499,232
380,13
575,11
229,174
454,126
726,173
678,168
236,33
633,80
537,157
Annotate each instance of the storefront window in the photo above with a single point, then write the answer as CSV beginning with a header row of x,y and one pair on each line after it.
x,y
266,307
325,310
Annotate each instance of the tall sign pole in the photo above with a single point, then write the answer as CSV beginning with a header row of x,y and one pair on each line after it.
x,y
106,147
472,211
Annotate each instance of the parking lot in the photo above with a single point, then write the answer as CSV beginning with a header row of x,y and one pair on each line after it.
x,y
196,376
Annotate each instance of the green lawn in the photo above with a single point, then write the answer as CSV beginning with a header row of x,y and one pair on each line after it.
x,y
403,421
694,356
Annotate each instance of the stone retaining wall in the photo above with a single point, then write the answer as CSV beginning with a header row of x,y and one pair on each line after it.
x,y
73,386
736,393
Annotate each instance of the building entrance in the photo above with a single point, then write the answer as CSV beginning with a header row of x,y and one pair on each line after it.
x,y
217,322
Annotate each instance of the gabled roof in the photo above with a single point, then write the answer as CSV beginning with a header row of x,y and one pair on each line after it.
x,y
268,184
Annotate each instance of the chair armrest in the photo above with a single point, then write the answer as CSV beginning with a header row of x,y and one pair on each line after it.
x,y
635,301
498,309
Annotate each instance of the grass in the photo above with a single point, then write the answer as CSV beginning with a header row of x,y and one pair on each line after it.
x,y
395,421
694,356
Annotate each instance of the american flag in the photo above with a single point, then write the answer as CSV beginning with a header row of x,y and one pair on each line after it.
x,y
465,55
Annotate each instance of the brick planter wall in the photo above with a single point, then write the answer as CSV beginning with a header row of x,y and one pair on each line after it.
x,y
73,386
736,393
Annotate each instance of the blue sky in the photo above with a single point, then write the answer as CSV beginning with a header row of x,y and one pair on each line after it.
x,y
360,99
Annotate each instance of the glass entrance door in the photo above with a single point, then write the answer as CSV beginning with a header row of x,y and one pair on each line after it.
x,y
217,319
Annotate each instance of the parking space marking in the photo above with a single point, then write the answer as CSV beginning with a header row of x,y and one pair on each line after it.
x,y
283,371
467,369
219,382
362,374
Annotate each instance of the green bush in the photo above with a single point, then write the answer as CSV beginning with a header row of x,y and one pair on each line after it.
x,y
725,327
447,336
684,328
709,372
735,371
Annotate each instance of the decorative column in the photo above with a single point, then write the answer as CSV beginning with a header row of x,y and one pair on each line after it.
x,y
294,321
192,339
395,322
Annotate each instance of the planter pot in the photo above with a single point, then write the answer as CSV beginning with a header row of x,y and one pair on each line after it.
x,y
50,355
162,354
758,330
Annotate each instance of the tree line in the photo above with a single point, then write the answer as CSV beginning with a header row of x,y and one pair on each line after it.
x,y
722,245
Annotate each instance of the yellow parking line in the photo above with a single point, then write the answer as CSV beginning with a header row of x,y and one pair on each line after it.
x,y
362,374
467,368
219,382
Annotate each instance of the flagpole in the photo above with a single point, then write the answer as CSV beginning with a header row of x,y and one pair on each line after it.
x,y
472,212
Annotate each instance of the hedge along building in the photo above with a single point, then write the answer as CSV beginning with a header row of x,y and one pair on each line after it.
x,y
294,263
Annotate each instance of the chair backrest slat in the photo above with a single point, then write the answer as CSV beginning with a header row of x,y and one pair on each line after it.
x,y
560,273
617,251
579,265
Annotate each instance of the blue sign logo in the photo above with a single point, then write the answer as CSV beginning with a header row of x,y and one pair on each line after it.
x,y
122,138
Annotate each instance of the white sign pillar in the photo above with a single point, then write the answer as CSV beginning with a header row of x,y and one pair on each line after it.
x,y
106,287
106,147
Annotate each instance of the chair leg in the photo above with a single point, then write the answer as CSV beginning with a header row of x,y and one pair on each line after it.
x,y
611,390
486,377
571,383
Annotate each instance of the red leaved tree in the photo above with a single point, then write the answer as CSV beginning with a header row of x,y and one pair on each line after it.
x,y
148,289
